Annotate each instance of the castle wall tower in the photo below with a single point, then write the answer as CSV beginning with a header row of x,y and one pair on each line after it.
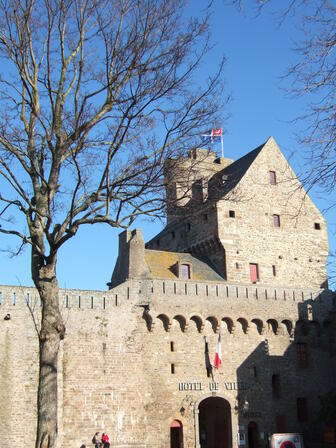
x,y
255,223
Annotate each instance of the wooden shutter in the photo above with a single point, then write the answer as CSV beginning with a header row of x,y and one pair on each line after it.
x,y
253,272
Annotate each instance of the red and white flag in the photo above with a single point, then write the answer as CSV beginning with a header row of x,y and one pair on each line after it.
x,y
218,355
216,132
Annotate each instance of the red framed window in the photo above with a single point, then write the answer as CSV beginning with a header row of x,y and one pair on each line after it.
x,y
272,177
302,354
302,409
254,272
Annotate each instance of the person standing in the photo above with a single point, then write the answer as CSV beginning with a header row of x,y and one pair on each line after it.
x,y
105,440
96,441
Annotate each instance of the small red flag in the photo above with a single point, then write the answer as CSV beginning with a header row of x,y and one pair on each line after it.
x,y
216,132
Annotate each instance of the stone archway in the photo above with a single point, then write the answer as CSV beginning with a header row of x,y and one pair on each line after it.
x,y
214,423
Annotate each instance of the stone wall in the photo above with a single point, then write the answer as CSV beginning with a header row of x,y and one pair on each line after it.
x,y
237,228
115,364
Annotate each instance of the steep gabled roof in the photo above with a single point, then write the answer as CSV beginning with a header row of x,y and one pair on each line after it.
x,y
237,170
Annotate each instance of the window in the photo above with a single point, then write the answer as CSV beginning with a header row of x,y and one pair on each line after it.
x,y
188,226
317,226
172,369
272,177
254,272
302,409
158,243
274,270
276,220
232,214
185,271
172,348
176,432
281,424
254,371
205,217
276,386
173,234
302,354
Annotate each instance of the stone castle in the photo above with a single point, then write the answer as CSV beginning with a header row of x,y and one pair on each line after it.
x,y
243,256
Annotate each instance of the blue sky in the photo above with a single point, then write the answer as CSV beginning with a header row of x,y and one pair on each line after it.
x,y
258,53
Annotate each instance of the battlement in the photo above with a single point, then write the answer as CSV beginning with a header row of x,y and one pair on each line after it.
x,y
168,293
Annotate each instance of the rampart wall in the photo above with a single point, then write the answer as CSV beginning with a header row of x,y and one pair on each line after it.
x,y
115,363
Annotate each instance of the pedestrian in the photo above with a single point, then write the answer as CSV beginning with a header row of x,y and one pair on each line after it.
x,y
105,440
96,441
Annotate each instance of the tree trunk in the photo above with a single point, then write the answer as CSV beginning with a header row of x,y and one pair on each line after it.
x,y
52,331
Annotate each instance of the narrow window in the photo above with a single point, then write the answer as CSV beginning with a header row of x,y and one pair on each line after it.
x,y
272,177
171,346
281,424
317,226
302,409
185,271
276,386
173,234
176,432
188,226
172,369
253,371
302,354
232,214
158,243
254,272
276,220
205,217
274,270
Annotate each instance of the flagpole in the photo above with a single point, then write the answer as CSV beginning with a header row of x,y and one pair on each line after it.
x,y
222,146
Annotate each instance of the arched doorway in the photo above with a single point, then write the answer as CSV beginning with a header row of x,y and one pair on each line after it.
x,y
253,435
176,434
215,423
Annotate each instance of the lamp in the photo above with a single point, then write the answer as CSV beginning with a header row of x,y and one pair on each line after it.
x,y
241,405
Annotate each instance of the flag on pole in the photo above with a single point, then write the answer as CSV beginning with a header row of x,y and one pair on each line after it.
x,y
210,136
217,132
218,356
212,133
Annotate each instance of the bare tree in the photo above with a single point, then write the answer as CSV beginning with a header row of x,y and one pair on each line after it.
x,y
95,95
313,77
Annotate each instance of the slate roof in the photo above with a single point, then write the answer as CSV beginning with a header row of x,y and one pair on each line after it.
x,y
237,169
163,264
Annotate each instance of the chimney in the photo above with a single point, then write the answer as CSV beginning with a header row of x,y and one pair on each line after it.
x,y
131,261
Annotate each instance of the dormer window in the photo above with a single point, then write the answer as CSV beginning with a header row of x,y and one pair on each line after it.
x,y
185,271
272,177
